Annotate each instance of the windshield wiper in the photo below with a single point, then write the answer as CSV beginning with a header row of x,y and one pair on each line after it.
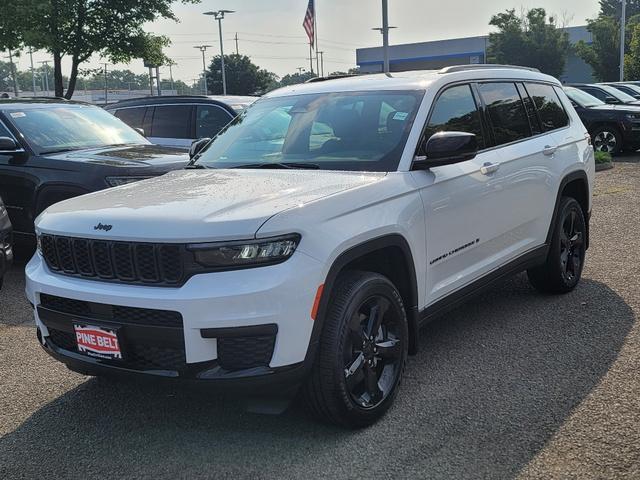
x,y
282,165
59,150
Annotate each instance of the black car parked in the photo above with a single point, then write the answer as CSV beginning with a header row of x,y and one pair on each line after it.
x,y
628,88
179,120
6,250
51,150
613,128
606,93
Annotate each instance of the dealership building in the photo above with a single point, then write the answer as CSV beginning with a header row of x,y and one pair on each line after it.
x,y
461,51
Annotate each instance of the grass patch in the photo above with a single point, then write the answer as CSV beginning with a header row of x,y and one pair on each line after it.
x,y
603,157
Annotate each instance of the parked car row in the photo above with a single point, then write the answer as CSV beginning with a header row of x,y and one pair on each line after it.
x,y
611,116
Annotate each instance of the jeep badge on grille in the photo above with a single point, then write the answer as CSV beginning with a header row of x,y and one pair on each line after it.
x,y
100,226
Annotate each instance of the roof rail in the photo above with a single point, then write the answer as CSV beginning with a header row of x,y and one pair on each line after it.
x,y
330,77
483,66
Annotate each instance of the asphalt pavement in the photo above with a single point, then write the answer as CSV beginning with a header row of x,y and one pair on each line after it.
x,y
514,384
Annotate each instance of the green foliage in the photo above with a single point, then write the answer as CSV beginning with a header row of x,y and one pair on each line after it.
x,y
602,54
613,8
81,28
295,78
242,75
532,40
602,157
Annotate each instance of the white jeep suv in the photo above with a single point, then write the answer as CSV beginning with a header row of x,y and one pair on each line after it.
x,y
308,242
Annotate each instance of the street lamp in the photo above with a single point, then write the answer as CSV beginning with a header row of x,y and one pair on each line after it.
x,y
385,35
219,16
203,48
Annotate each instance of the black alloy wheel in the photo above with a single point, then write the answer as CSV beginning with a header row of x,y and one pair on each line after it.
x,y
571,245
362,351
373,354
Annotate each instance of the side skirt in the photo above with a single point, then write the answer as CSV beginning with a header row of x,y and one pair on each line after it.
x,y
530,259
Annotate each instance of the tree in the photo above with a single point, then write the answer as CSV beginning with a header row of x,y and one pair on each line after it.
x,y
603,53
632,57
613,8
532,40
295,78
242,75
10,37
81,28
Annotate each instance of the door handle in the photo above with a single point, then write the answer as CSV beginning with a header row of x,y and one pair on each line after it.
x,y
489,168
548,150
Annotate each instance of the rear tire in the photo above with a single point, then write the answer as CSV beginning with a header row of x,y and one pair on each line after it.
x,y
562,270
362,352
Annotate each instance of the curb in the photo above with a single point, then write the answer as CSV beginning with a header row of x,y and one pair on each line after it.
x,y
604,166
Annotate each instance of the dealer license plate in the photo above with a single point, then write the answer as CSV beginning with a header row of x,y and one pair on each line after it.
x,y
97,342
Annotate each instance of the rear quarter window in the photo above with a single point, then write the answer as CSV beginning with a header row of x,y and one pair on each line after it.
x,y
550,110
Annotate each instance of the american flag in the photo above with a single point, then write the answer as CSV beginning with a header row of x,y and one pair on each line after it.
x,y
309,20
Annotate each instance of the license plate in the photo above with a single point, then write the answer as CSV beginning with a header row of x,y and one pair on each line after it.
x,y
97,342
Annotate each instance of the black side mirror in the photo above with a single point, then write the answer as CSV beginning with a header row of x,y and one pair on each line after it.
x,y
446,148
8,144
611,100
197,146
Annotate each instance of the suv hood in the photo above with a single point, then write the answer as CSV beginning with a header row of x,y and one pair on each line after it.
x,y
627,107
143,155
195,205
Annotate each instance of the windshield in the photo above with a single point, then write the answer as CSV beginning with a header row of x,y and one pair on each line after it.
x,y
582,98
614,92
62,128
362,131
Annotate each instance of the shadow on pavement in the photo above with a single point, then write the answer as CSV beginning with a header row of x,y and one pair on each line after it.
x,y
493,382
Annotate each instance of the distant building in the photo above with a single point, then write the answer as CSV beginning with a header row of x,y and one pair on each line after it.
x,y
461,51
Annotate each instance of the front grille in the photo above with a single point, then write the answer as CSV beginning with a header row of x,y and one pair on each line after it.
x,y
124,262
239,353
64,340
113,313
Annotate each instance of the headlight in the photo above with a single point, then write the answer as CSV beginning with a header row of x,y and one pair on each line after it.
x,y
226,255
633,116
117,181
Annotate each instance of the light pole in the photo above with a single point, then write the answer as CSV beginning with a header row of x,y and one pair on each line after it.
x,y
623,21
385,35
45,68
203,48
33,71
321,54
219,16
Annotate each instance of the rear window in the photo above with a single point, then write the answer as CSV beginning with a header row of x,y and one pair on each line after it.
x,y
506,111
550,110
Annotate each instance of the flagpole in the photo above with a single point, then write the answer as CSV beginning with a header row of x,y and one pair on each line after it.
x,y
315,35
311,57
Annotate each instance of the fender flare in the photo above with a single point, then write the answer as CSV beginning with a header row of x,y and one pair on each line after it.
x,y
570,177
348,256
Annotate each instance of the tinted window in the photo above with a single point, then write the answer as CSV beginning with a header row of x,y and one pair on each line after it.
x,y
599,94
506,111
131,116
210,120
171,121
531,110
456,110
4,132
550,110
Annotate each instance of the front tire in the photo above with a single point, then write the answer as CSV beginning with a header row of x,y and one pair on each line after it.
x,y
563,268
608,140
362,352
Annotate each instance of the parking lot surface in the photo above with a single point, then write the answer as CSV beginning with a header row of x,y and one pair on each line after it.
x,y
514,384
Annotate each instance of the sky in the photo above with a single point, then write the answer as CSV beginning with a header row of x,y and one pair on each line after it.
x,y
271,33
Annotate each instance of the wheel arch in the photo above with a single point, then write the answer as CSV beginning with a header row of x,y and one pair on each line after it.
x,y
390,255
576,185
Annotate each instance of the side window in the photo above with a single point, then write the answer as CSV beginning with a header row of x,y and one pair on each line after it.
x,y
599,94
131,116
209,120
531,110
550,110
171,121
4,131
456,110
506,112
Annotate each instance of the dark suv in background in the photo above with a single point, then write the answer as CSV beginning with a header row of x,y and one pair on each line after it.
x,y
52,150
606,93
178,121
613,128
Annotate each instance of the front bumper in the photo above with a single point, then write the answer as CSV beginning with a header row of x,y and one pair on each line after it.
x,y
213,308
